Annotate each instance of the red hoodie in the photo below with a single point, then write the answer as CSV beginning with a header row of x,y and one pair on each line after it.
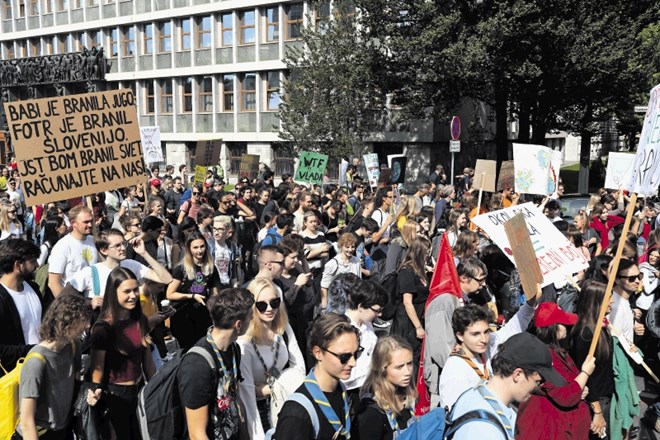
x,y
604,229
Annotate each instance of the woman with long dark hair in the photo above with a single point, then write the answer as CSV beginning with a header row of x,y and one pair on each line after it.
x,y
601,381
54,229
187,227
121,354
559,412
413,286
388,395
195,279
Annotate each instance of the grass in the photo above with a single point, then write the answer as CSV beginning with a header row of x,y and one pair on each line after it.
x,y
570,175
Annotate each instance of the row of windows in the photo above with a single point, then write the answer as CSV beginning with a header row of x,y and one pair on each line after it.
x,y
33,7
180,34
228,87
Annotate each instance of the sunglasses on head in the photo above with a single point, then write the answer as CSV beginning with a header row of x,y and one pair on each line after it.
x,y
632,278
345,357
262,306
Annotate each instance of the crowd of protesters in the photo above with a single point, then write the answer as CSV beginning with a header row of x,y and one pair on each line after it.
x,y
288,284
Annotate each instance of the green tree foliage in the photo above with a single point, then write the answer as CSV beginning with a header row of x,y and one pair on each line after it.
x,y
331,98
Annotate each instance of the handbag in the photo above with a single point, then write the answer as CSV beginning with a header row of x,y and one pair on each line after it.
x,y
90,422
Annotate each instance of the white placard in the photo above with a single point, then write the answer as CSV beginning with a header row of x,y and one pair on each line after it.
x,y
536,169
619,170
557,256
153,151
454,146
645,176
373,168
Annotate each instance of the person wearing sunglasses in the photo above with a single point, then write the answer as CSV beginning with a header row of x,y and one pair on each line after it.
x,y
9,223
334,345
627,284
268,348
190,207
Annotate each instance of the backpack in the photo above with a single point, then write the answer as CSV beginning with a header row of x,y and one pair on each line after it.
x,y
9,402
311,412
255,250
159,409
389,283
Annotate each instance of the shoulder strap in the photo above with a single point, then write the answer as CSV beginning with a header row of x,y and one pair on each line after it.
x,y
309,407
36,355
472,416
205,354
95,280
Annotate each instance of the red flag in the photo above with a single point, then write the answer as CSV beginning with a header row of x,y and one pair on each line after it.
x,y
423,397
445,276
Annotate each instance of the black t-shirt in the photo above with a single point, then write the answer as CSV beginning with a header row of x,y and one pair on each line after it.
x,y
200,285
197,388
409,282
293,422
372,423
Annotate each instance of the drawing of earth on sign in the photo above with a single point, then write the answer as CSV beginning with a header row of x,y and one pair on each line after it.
x,y
396,171
524,179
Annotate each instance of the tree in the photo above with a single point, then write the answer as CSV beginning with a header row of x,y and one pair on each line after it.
x,y
331,99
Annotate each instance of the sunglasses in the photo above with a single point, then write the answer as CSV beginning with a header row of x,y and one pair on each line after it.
x,y
633,278
262,306
195,194
345,357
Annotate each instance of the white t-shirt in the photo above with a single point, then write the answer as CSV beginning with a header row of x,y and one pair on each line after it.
x,y
84,281
362,367
622,317
456,377
29,310
16,230
69,256
222,259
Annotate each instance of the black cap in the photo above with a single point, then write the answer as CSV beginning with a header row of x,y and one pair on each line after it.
x,y
525,350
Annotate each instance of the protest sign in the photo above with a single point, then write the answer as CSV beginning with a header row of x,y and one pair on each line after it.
x,y
200,173
153,152
484,175
507,176
619,170
71,146
524,255
207,153
397,164
645,176
536,169
555,254
373,168
343,169
311,167
249,166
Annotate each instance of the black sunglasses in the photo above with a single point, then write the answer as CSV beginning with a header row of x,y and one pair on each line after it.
x,y
633,278
345,357
274,304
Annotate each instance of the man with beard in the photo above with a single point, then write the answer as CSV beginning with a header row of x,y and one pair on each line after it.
x,y
20,301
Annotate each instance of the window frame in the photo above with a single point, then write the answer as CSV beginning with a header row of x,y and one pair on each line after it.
x,y
187,97
166,96
185,36
245,92
242,28
34,7
268,90
113,39
268,24
149,97
224,29
204,32
204,97
126,41
148,39
289,23
228,93
162,37
7,11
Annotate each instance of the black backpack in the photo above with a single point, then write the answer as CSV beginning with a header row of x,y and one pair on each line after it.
x,y
159,409
390,285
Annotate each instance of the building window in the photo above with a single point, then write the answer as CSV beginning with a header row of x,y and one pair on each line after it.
x,y
149,96
294,21
166,97
226,30
33,47
204,33
7,10
148,38
273,96
249,92
206,95
247,27
186,25
92,2
321,13
114,42
60,43
9,50
187,100
228,93
77,41
272,27
165,36
56,5
21,8
33,7
129,41
94,39
236,152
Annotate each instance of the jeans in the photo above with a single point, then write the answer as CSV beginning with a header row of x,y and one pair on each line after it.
x,y
122,403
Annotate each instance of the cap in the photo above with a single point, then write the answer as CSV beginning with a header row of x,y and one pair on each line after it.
x,y
154,181
549,313
525,350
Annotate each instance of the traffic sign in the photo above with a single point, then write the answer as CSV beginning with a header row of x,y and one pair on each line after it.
x,y
454,146
455,128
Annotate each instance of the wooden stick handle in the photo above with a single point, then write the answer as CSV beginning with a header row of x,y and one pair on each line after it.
x,y
612,276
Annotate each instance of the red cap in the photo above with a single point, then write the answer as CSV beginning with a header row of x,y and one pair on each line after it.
x,y
549,313
154,181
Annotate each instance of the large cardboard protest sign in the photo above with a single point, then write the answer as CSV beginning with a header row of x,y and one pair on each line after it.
x,y
485,175
645,176
556,256
311,167
373,168
523,253
536,169
619,170
71,146
249,166
153,152
507,176
207,153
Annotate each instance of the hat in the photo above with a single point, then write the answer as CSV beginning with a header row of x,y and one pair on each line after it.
x,y
549,313
155,181
525,350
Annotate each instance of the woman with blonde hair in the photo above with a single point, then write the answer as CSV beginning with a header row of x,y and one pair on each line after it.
x,y
399,246
9,223
267,349
195,280
388,395
405,212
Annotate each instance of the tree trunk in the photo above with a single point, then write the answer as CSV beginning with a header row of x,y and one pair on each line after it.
x,y
523,123
585,151
501,132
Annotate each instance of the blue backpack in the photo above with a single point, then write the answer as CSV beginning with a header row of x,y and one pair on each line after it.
x,y
438,424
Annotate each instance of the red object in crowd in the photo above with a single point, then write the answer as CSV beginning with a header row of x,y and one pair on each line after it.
x,y
423,396
603,229
445,276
